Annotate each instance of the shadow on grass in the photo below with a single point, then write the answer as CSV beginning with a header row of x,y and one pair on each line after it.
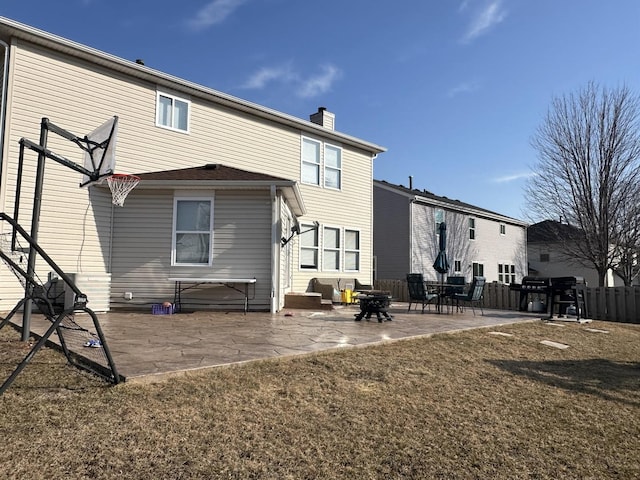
x,y
615,381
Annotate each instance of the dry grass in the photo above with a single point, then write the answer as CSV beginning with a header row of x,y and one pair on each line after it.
x,y
463,405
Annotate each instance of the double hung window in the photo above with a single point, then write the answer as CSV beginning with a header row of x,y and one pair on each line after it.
x,y
309,247
506,273
310,161
331,249
192,231
332,167
351,250
472,229
321,164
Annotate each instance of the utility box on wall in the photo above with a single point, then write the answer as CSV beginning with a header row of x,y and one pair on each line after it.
x,y
96,286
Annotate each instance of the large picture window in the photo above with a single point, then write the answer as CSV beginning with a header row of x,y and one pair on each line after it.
x,y
351,250
193,231
172,112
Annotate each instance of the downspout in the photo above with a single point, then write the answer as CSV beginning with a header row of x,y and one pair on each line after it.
x,y
411,235
3,102
275,250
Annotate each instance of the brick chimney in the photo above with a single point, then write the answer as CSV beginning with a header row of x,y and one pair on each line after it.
x,y
324,118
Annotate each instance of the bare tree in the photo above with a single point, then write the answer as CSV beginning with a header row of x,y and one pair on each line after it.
x,y
588,171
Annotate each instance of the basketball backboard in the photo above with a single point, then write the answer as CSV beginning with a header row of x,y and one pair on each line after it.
x,y
100,152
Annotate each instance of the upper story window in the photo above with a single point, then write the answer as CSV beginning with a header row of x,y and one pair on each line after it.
x,y
309,245
172,112
321,164
457,266
503,229
332,167
192,231
472,229
438,217
310,161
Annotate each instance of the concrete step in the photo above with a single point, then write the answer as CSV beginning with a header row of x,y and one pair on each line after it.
x,y
307,301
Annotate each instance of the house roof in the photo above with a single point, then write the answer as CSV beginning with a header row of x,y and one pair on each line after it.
x,y
223,177
211,171
19,30
426,197
549,231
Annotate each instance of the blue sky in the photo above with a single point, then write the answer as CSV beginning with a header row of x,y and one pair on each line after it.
x,y
454,89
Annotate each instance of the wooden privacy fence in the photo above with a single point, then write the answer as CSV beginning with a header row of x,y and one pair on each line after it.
x,y
616,304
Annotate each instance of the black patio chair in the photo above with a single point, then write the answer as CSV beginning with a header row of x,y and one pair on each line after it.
x,y
417,291
473,295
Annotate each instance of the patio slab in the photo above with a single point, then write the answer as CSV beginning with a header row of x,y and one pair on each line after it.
x,y
148,347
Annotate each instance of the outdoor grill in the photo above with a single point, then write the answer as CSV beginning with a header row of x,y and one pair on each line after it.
x,y
532,286
560,292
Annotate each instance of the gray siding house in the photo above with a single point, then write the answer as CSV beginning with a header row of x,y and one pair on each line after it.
x,y
277,174
479,242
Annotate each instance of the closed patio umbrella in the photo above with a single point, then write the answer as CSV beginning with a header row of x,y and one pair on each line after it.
x,y
441,264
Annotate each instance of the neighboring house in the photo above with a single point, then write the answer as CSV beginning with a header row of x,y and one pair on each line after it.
x,y
479,242
546,257
269,173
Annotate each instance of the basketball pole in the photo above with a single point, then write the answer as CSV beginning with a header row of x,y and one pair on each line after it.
x,y
35,224
43,154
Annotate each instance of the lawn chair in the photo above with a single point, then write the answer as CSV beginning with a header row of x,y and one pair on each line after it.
x,y
417,292
474,295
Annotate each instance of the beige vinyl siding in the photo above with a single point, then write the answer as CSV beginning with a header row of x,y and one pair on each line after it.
x,y
351,207
78,96
142,250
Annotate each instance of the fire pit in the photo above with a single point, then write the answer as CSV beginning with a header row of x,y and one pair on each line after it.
x,y
374,302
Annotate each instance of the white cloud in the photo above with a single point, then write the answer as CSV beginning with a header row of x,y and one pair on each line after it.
x,y
320,83
514,177
269,74
486,18
213,13
465,87
285,74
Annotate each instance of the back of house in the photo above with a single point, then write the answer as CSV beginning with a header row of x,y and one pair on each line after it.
x,y
278,175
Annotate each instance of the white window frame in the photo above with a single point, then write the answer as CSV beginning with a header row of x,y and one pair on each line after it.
x,y
338,169
352,251
173,99
506,273
175,232
472,228
304,162
309,229
503,229
457,266
477,269
333,249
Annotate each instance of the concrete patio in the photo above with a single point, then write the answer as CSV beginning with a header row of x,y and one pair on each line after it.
x,y
148,347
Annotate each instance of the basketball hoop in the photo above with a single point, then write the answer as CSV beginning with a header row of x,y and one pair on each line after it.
x,y
120,185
